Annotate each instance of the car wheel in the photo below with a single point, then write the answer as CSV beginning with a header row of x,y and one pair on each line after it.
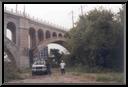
x,y
47,72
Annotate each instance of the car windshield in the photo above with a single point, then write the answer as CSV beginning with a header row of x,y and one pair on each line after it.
x,y
40,63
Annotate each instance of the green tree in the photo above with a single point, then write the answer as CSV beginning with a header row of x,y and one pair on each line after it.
x,y
95,40
57,55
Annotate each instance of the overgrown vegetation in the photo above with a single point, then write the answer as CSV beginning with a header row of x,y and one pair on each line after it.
x,y
56,57
97,75
10,72
115,77
96,42
56,54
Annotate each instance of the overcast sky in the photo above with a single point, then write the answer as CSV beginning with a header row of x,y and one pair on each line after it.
x,y
60,14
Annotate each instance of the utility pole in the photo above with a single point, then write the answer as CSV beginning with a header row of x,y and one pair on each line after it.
x,y
24,10
72,19
81,10
16,8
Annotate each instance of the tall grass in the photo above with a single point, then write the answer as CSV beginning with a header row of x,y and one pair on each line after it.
x,y
107,77
99,74
10,72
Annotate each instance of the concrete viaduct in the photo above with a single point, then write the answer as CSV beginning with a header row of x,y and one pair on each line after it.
x,y
28,34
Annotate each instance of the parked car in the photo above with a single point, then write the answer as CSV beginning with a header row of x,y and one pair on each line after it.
x,y
39,67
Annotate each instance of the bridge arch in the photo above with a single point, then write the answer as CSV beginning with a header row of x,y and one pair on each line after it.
x,y
59,35
54,34
32,34
48,35
60,41
12,28
65,36
40,35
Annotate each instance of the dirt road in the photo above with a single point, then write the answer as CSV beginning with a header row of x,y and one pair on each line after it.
x,y
55,77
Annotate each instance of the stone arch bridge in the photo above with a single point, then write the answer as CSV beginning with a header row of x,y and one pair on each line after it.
x,y
28,34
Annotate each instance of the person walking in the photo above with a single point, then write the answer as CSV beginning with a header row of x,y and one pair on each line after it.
x,y
62,67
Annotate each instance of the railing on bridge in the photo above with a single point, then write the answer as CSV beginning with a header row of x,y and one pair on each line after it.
x,y
22,14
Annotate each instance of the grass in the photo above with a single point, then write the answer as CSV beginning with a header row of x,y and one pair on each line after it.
x,y
98,76
26,70
12,73
107,77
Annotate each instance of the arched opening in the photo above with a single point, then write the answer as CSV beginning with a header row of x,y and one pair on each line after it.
x,y
65,36
40,35
57,46
9,34
60,35
54,34
48,35
11,31
57,53
32,34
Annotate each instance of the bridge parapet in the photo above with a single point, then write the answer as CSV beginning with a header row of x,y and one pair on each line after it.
x,y
27,16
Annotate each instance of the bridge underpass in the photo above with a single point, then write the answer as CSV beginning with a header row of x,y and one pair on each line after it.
x,y
35,52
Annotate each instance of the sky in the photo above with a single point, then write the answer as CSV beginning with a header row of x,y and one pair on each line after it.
x,y
59,14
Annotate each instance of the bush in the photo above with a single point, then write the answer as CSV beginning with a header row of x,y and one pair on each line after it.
x,y
115,77
87,69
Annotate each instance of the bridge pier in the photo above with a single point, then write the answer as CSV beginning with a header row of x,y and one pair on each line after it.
x,y
23,44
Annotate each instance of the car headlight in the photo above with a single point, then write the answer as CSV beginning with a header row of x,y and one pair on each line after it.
x,y
33,69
